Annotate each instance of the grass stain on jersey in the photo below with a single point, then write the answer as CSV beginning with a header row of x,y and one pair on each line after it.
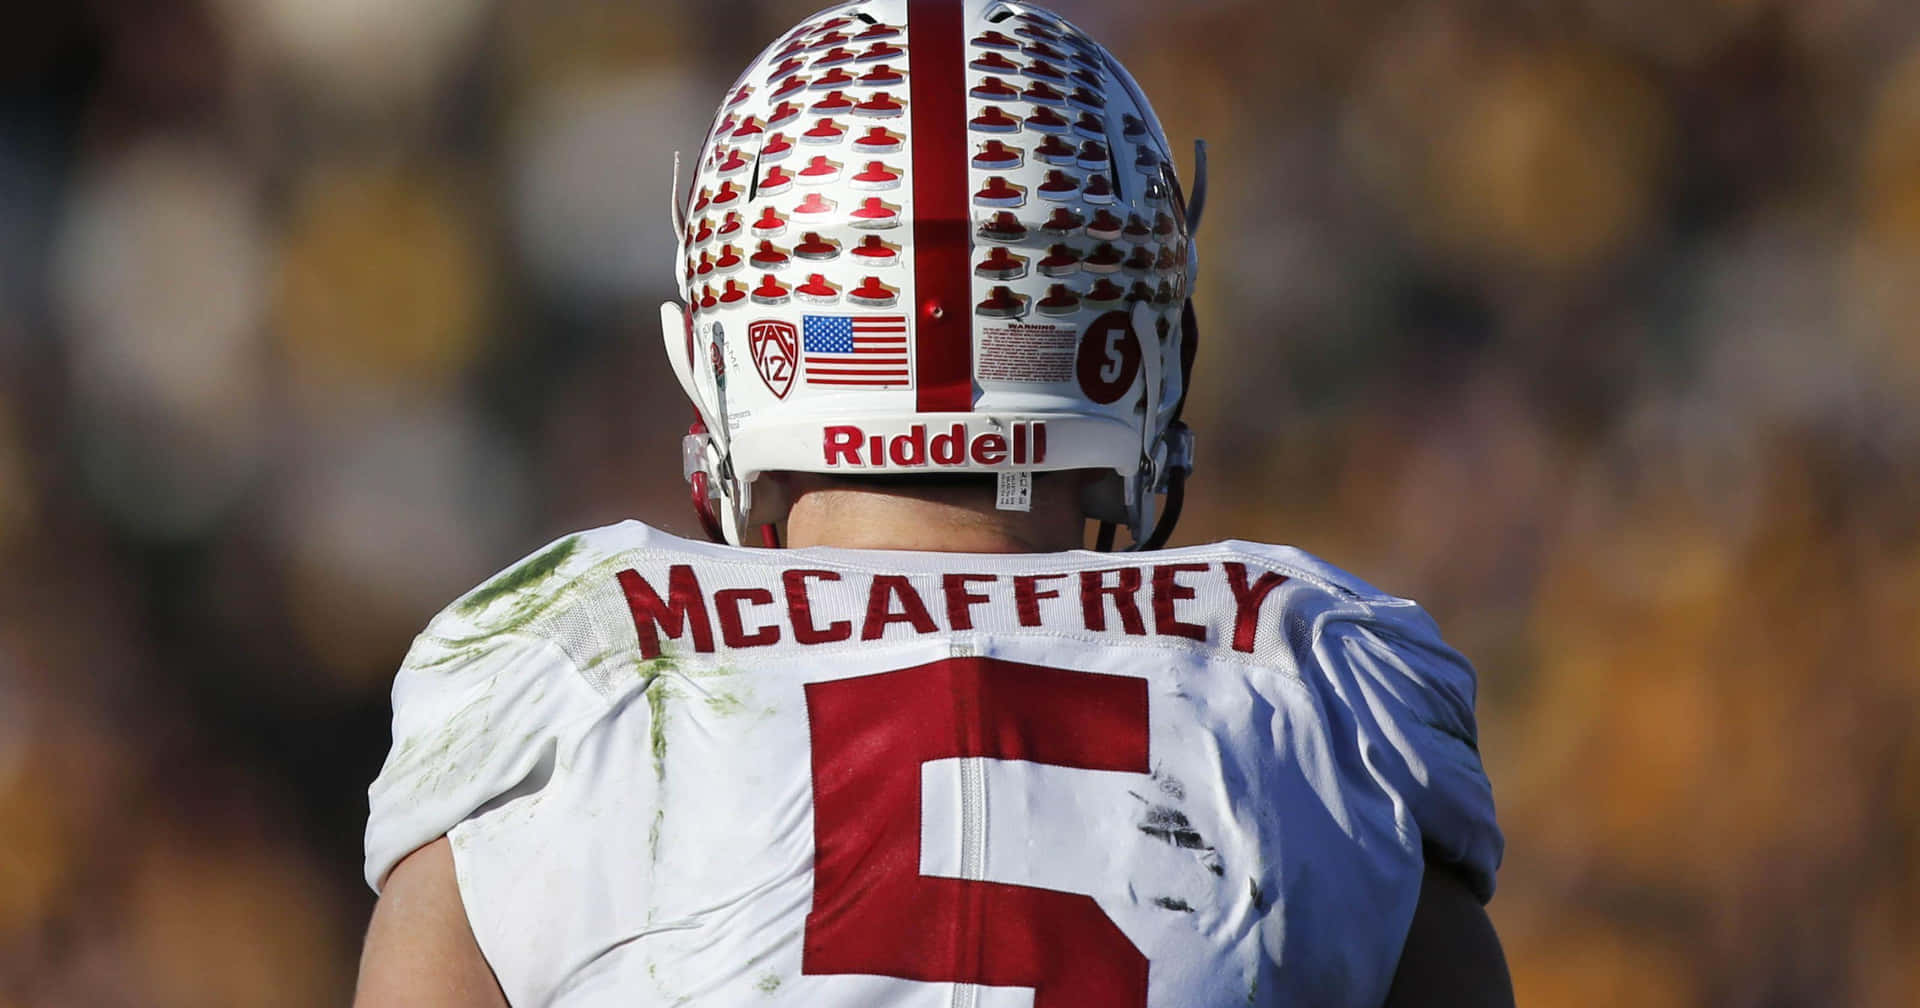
x,y
534,571
1172,903
653,974
657,730
657,745
459,642
729,699
726,704
768,984
468,728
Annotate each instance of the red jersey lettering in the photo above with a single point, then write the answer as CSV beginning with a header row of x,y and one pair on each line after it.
x,y
684,608
1167,591
1246,602
726,605
800,609
881,613
1094,588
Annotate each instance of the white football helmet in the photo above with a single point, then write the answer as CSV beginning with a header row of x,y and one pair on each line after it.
x,y
935,236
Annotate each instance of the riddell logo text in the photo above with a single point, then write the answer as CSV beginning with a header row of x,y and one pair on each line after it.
x,y
1021,443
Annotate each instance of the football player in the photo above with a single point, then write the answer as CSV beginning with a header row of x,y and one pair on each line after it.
x,y
937,275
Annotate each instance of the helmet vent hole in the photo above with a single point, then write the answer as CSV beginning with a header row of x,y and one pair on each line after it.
x,y
864,16
1000,13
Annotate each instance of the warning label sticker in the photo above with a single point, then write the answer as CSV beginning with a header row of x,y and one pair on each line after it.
x,y
1020,352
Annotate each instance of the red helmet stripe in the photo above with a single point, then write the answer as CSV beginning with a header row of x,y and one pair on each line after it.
x,y
943,218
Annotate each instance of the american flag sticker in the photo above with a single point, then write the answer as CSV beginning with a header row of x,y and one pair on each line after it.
x,y
867,351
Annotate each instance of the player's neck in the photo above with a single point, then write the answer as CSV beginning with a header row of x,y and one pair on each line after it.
x,y
940,523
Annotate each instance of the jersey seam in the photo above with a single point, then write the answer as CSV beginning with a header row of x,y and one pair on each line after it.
x,y
719,655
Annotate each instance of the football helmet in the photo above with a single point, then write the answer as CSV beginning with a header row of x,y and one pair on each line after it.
x,y
935,236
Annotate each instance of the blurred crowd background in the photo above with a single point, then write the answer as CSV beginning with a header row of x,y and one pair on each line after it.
x,y
1590,323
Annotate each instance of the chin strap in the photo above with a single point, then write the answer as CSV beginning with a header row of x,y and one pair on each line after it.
x,y
1170,514
1197,202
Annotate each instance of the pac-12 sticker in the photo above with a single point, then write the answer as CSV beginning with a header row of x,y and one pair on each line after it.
x,y
776,350
1109,358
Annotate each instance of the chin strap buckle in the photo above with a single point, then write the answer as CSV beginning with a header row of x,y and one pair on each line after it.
x,y
1179,443
694,451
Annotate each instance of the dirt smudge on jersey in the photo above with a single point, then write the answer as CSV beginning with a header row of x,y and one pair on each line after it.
x,y
1170,825
768,984
1172,903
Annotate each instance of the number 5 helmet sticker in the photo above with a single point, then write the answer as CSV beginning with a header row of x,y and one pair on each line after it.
x,y
1109,358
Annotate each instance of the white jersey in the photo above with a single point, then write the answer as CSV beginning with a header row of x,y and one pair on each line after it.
x,y
683,774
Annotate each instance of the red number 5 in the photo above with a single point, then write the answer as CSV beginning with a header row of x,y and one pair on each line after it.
x,y
874,913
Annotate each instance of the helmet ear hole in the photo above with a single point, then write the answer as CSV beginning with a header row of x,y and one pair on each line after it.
x,y
1104,498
